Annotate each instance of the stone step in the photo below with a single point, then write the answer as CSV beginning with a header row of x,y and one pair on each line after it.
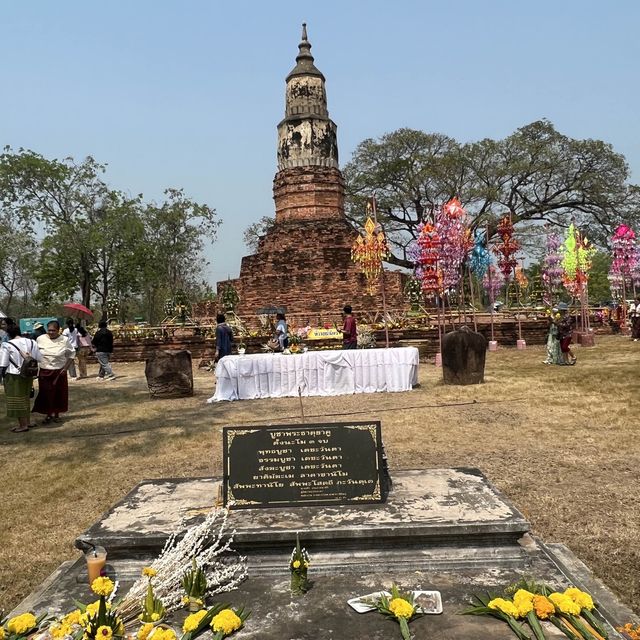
x,y
425,509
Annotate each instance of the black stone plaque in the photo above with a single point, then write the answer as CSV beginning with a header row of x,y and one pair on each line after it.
x,y
295,465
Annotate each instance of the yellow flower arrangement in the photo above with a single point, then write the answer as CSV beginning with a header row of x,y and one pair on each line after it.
x,y
502,609
298,565
523,601
65,627
226,622
102,586
192,621
506,606
144,631
104,633
565,604
163,634
21,624
73,617
581,598
401,608
149,572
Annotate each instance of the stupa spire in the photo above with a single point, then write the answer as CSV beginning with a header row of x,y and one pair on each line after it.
x,y
306,136
304,59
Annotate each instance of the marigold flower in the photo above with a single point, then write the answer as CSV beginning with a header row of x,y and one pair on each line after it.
x,y
155,617
144,631
581,598
543,607
523,600
104,633
296,564
226,621
192,621
73,617
506,606
163,634
21,624
149,572
60,630
1,633
522,595
102,586
401,608
565,604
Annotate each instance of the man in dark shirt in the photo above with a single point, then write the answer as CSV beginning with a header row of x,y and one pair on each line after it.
x,y
349,332
224,337
103,344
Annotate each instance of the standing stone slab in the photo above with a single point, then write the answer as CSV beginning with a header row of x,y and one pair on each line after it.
x,y
169,374
463,357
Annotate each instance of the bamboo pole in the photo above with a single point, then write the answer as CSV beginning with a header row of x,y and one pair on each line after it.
x,y
384,298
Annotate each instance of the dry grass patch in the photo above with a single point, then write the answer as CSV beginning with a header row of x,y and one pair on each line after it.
x,y
560,442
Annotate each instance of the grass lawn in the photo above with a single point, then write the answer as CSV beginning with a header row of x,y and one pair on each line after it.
x,y
561,442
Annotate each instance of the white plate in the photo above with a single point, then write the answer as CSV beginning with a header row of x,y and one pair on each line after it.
x,y
361,603
427,602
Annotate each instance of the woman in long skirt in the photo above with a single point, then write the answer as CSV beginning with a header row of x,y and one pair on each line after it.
x,y
53,388
554,355
17,388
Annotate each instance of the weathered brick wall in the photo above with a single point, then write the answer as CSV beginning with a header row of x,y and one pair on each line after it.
x,y
306,266
308,193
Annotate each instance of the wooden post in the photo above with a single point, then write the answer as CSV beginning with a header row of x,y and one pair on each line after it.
x,y
473,308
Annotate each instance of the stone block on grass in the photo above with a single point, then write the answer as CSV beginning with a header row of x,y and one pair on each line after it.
x,y
169,374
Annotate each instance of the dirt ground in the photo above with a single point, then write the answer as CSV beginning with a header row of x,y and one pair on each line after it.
x,y
561,442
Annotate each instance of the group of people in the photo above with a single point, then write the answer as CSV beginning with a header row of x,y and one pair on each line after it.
x,y
561,325
51,357
280,341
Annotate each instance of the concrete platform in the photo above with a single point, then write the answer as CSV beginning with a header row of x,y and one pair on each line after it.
x,y
444,529
431,507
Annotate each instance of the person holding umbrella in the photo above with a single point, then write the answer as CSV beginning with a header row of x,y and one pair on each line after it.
x,y
53,387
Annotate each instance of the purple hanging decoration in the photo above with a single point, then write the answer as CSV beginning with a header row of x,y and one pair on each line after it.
x,y
552,270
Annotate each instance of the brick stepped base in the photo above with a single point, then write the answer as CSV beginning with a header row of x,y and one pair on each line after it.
x,y
506,333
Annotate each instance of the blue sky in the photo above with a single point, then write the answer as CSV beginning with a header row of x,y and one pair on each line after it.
x,y
188,94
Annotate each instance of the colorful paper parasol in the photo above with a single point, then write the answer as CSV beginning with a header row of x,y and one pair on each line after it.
x,y
79,308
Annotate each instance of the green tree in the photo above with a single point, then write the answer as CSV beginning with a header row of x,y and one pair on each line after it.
x,y
410,172
18,259
175,233
257,230
535,175
599,290
62,195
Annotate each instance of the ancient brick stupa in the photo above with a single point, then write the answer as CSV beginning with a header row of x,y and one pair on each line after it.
x,y
304,262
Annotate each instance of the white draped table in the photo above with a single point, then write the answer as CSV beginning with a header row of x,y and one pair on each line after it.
x,y
316,373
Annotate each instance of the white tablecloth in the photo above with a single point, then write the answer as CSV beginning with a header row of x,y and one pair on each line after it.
x,y
316,373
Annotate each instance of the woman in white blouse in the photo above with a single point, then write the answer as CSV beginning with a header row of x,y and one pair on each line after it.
x,y
17,388
53,387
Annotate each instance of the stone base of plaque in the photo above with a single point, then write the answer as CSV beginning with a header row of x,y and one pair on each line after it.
x,y
444,529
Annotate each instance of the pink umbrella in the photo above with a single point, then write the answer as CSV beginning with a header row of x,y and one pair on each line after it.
x,y
79,308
